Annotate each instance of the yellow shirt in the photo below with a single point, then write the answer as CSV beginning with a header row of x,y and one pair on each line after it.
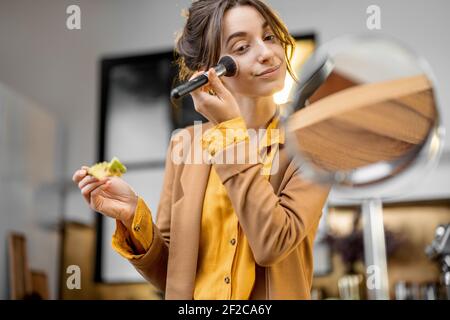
x,y
226,267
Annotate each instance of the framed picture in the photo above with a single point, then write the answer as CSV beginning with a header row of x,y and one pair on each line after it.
x,y
136,121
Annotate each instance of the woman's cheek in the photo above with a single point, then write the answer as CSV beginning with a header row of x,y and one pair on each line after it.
x,y
233,83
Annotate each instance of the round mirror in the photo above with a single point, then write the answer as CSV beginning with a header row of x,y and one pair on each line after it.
x,y
363,114
364,118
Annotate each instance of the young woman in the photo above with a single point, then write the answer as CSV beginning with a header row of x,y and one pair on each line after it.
x,y
224,229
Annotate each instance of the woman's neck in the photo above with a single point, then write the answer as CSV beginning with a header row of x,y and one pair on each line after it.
x,y
256,112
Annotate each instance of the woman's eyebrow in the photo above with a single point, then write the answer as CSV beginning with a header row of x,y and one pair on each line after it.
x,y
242,33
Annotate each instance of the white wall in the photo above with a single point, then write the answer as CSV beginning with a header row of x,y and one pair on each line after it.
x,y
30,200
58,68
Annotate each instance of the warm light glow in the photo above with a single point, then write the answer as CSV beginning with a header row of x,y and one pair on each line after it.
x,y
303,50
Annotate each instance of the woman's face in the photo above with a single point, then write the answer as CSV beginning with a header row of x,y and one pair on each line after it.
x,y
248,38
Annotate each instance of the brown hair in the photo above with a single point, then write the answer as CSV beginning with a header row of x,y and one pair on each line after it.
x,y
199,44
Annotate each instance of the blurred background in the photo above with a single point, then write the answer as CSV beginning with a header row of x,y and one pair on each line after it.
x,y
72,97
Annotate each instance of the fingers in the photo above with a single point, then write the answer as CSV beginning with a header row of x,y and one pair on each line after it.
x,y
197,73
80,174
207,86
199,96
87,183
90,187
202,94
202,89
86,180
212,99
216,83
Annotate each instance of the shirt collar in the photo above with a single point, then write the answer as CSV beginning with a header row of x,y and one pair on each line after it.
x,y
274,133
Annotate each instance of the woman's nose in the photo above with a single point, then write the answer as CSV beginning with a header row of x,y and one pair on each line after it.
x,y
265,53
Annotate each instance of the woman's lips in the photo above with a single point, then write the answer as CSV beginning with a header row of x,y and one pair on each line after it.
x,y
269,72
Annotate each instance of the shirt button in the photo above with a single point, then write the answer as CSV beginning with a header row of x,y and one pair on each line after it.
x,y
227,280
233,241
137,227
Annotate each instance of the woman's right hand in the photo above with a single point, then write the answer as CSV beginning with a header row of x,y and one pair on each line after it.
x,y
217,108
111,196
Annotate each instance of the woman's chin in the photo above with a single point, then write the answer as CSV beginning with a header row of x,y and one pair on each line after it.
x,y
264,90
271,90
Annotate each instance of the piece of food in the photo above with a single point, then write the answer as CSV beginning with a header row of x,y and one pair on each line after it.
x,y
107,169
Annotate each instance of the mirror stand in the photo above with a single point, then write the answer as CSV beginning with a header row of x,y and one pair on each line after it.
x,y
375,249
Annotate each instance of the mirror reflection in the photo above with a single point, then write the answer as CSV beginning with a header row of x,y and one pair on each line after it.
x,y
363,111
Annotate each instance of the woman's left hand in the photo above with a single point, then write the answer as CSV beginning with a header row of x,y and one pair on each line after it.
x,y
221,106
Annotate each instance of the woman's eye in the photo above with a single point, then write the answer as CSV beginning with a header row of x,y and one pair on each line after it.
x,y
241,49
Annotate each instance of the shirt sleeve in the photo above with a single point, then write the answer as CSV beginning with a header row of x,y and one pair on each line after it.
x,y
224,134
142,229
